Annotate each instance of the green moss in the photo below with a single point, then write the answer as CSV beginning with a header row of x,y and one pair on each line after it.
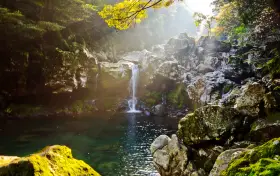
x,y
262,160
152,98
178,96
273,65
79,107
54,160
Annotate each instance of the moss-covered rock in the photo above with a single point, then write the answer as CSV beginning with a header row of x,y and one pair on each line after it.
x,y
223,160
208,123
262,160
152,98
178,97
52,160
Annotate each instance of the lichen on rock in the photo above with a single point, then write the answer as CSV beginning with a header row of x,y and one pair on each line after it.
x,y
52,160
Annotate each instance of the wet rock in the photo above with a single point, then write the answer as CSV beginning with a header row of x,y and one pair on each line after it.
x,y
224,159
53,160
250,98
209,123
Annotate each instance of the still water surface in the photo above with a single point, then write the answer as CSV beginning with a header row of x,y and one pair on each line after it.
x,y
114,145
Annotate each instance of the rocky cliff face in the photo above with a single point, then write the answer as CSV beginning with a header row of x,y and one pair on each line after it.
x,y
235,109
181,73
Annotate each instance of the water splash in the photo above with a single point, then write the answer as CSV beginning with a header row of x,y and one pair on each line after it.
x,y
133,90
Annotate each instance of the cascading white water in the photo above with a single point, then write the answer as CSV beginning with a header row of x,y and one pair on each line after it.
x,y
96,81
133,90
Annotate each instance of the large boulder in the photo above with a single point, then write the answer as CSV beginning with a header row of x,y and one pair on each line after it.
x,y
209,123
250,98
170,158
224,159
53,160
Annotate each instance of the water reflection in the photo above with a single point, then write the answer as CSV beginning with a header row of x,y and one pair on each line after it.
x,y
114,145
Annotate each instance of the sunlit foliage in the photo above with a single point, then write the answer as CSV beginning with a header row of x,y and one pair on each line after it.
x,y
206,20
126,13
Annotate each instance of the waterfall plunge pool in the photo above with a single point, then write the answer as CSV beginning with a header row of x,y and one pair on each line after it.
x,y
114,145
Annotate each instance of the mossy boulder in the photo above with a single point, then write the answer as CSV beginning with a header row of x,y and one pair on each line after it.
x,y
262,160
223,160
209,123
52,160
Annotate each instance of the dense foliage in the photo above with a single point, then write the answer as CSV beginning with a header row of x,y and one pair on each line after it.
x,y
41,43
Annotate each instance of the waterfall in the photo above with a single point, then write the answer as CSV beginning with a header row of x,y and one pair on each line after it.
x,y
96,82
133,90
